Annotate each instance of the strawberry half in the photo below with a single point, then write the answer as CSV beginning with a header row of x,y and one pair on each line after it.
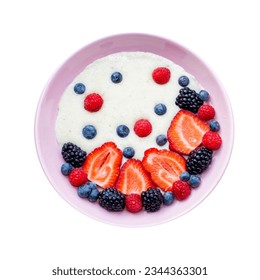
x,y
133,178
185,132
164,166
102,165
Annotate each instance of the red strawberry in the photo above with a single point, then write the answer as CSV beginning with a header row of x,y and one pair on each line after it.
x,y
164,166
133,178
161,75
93,102
142,128
77,177
212,140
185,132
181,190
206,112
103,165
133,203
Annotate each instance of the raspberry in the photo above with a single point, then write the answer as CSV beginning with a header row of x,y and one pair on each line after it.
x,y
161,75
133,203
181,190
206,112
93,102
77,177
212,140
142,128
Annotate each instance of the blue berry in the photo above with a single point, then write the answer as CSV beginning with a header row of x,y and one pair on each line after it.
x,y
185,176
194,181
93,197
168,198
79,88
214,125
183,81
160,109
128,152
66,168
161,140
204,95
89,131
116,77
122,130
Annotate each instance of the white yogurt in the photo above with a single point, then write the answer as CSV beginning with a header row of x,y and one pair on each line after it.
x,y
124,103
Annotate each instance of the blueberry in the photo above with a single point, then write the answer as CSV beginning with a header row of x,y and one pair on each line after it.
x,y
93,197
161,140
183,81
214,125
185,176
66,168
122,130
116,77
128,152
79,88
89,131
204,95
194,181
168,198
160,109
84,190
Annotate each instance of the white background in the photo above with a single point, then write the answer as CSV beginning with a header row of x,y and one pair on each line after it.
x,y
39,230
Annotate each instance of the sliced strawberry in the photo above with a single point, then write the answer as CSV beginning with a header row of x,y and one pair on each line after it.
x,y
185,132
133,178
102,165
164,166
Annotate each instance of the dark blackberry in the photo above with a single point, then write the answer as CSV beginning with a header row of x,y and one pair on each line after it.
x,y
188,100
112,200
152,199
199,160
73,154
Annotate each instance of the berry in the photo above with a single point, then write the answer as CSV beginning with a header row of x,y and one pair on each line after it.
x,y
133,203
161,140
161,75
199,160
79,88
85,190
93,102
212,140
185,176
77,177
112,200
183,81
204,95
133,178
142,128
164,167
128,152
116,77
152,199
66,168
214,125
181,190
188,100
168,198
73,154
185,132
103,165
122,130
194,181
160,109
93,197
206,112
89,131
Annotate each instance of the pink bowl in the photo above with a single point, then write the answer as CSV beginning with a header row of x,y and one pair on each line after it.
x,y
49,151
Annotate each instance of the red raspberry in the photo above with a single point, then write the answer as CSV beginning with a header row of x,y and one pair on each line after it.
x,y
161,75
133,203
77,177
211,140
181,190
93,102
206,112
142,128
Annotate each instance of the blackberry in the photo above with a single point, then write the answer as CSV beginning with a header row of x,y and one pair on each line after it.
x,y
73,154
199,160
188,100
112,200
152,199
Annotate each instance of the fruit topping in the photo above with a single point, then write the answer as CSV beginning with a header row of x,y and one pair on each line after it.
x,y
116,77
93,102
194,181
133,203
185,132
89,131
204,95
212,140
128,152
161,140
73,154
183,81
77,177
79,88
112,200
206,112
181,190
66,168
160,109
161,75
185,176
85,190
152,199
214,125
142,128
168,198
122,130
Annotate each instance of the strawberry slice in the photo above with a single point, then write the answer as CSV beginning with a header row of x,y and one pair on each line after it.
x,y
164,166
102,165
133,178
185,132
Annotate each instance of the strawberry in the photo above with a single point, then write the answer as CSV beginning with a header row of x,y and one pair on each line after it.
x,y
102,165
133,178
212,140
164,166
181,190
185,132
77,177
133,203
161,75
